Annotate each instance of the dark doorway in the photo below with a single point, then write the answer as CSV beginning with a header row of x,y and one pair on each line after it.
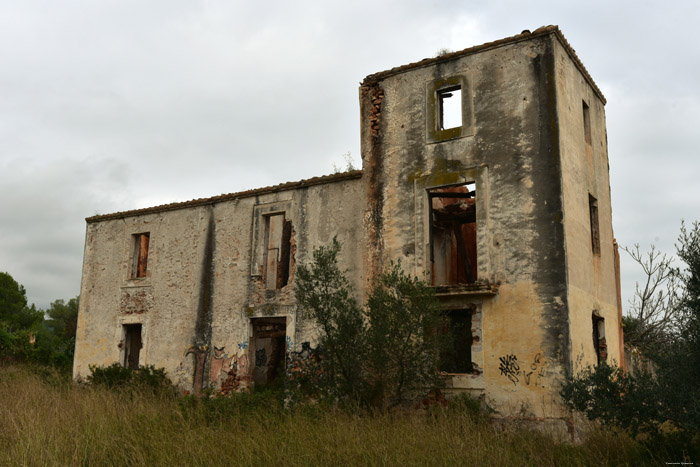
x,y
132,345
269,348
456,355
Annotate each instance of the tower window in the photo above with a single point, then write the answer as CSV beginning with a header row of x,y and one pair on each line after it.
x,y
450,103
587,123
595,229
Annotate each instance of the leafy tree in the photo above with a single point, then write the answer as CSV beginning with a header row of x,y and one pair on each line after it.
x,y
63,317
326,297
678,363
14,312
379,355
403,341
26,336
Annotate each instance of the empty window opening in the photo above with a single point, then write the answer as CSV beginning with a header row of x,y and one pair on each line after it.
x,y
278,235
456,353
140,260
132,345
595,229
453,234
450,108
586,123
269,349
599,344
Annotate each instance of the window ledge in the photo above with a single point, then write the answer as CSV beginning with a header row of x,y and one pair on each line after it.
x,y
136,283
478,288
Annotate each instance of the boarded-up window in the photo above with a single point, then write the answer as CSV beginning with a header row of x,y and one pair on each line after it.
x,y
453,234
132,345
599,343
456,352
278,234
140,261
595,229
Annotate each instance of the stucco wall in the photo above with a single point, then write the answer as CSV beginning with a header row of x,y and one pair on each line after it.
x,y
591,276
538,282
511,152
200,293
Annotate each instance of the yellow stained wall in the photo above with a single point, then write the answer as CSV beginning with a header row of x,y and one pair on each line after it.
x,y
591,277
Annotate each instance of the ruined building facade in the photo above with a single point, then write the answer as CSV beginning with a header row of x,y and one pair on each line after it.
x,y
485,170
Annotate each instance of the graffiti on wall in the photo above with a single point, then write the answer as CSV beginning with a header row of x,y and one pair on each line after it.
x,y
510,368
530,373
230,373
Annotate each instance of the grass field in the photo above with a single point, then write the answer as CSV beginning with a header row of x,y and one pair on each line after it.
x,y
45,419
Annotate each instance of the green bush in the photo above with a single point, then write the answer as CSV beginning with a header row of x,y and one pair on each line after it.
x,y
608,394
643,406
146,378
381,355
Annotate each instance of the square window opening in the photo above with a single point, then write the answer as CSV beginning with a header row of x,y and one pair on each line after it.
x,y
450,107
457,339
453,255
276,254
132,345
595,228
140,256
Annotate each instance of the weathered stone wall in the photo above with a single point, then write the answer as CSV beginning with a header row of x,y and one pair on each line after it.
x,y
590,276
521,146
201,288
510,147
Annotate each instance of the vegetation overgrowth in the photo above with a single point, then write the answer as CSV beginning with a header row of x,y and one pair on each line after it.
x,y
46,419
663,408
380,355
26,335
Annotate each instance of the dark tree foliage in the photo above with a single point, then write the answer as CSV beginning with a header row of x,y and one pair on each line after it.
x,y
326,297
26,336
608,394
63,318
14,312
403,344
380,355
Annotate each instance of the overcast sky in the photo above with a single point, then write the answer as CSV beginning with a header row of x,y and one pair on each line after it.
x,y
113,105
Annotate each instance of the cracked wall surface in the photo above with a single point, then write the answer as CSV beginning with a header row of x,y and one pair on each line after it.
x,y
522,167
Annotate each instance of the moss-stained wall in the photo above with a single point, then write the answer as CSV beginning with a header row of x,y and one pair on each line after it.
x,y
521,145
591,276
199,295
511,147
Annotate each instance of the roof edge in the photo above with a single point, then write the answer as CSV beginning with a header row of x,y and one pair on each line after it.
x,y
525,35
333,178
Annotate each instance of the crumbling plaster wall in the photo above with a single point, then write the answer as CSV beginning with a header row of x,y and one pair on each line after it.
x,y
513,155
591,277
197,299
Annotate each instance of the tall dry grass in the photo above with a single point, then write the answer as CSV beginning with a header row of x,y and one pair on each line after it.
x,y
47,420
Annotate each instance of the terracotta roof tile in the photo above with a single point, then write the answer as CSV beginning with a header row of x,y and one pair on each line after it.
x,y
525,35
355,174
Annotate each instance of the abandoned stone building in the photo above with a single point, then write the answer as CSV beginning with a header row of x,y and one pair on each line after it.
x,y
485,170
